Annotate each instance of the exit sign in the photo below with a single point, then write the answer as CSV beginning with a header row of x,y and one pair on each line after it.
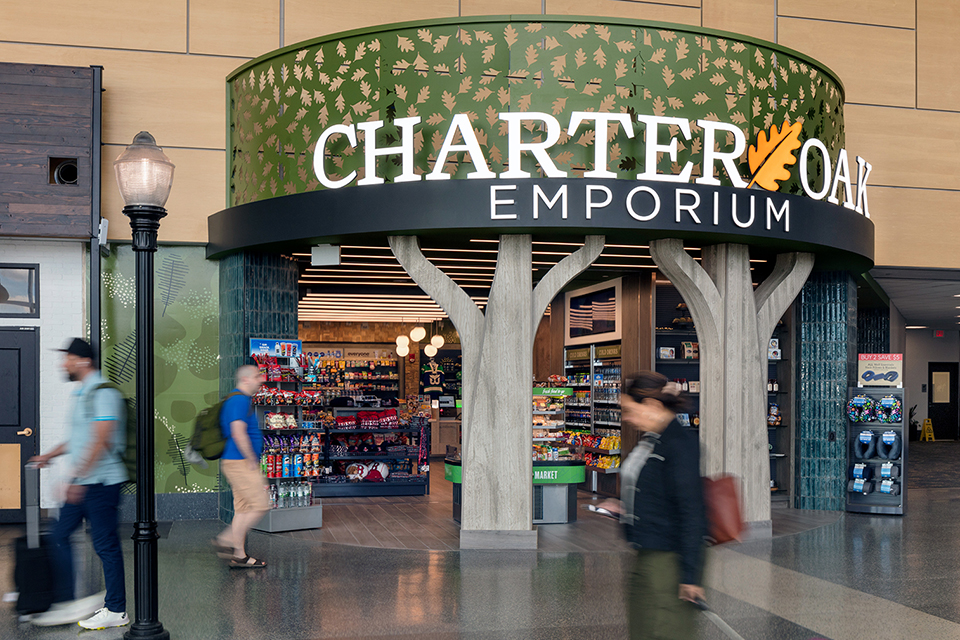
x,y
938,333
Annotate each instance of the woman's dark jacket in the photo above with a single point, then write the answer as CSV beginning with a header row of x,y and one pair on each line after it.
x,y
668,502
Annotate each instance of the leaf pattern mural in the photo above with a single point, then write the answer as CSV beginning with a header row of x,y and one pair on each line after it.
x,y
483,67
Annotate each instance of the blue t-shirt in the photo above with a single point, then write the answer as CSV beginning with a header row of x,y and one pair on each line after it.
x,y
94,406
238,407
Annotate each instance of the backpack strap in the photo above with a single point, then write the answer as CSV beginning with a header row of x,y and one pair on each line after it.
x,y
105,385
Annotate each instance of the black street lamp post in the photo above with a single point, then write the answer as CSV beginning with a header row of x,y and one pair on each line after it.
x,y
145,175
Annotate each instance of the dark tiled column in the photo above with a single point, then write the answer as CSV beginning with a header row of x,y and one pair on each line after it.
x,y
258,299
873,331
827,365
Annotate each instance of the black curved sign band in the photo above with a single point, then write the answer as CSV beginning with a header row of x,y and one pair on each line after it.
x,y
457,210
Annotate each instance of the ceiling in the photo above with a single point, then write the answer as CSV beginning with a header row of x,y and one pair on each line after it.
x,y
370,285
925,297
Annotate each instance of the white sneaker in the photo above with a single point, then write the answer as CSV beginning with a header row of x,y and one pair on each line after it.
x,y
104,618
70,611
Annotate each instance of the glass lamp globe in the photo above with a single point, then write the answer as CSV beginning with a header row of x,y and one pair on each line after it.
x,y
418,334
403,341
430,350
437,341
403,350
144,173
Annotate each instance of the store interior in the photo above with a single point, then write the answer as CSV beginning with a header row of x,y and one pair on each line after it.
x,y
370,395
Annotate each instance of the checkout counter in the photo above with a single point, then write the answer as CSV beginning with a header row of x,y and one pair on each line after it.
x,y
554,489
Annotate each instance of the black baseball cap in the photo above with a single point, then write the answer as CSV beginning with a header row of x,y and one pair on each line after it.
x,y
79,348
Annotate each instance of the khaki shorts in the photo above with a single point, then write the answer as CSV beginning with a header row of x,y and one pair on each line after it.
x,y
248,486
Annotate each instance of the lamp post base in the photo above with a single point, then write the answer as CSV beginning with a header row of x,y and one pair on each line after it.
x,y
153,631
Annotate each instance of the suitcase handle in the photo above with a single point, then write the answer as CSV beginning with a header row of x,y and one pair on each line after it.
x,y
32,503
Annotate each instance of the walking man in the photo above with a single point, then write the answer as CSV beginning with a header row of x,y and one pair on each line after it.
x,y
240,464
95,445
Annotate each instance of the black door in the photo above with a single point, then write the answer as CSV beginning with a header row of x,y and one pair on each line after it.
x,y
942,406
19,414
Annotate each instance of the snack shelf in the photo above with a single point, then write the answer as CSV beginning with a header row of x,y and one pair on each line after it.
x,y
374,456
606,471
606,452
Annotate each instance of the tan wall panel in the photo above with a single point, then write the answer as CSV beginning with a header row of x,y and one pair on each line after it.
x,y
906,147
199,182
234,27
911,227
757,18
131,24
180,99
499,7
621,9
875,64
890,13
938,54
305,19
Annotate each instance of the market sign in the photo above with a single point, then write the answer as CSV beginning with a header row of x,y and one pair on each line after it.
x,y
880,370
476,126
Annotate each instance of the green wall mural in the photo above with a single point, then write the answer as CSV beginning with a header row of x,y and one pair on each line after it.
x,y
186,343
282,102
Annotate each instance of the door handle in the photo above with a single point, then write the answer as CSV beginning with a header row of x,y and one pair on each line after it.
x,y
26,432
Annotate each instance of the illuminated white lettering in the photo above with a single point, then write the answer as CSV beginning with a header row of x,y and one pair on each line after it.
x,y
372,151
494,202
320,150
753,213
632,211
539,195
813,143
515,148
842,174
689,208
591,205
783,214
461,124
653,147
863,172
600,143
728,159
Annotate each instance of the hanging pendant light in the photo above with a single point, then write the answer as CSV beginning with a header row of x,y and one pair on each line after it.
x,y
418,333
430,350
403,350
403,341
437,341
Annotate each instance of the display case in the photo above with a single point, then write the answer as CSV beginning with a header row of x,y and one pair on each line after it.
x,y
677,356
877,474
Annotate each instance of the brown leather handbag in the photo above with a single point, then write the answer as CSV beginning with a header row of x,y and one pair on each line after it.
x,y
721,496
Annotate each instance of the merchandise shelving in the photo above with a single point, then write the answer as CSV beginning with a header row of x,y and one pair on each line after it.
x,y
548,417
673,329
880,474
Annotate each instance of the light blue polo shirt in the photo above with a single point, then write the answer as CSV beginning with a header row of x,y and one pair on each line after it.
x,y
89,407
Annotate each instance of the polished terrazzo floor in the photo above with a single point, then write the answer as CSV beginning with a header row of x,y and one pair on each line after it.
x,y
855,578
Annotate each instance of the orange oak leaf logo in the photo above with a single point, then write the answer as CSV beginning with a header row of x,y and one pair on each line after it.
x,y
769,158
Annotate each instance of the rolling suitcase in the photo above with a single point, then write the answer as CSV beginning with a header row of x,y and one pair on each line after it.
x,y
33,570
718,621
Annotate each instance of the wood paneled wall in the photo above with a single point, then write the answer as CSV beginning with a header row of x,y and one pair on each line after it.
x,y
45,112
165,63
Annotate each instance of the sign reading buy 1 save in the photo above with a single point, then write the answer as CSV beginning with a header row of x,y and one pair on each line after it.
x,y
880,370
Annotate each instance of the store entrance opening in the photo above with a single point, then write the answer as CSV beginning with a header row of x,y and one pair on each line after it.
x,y
19,392
942,402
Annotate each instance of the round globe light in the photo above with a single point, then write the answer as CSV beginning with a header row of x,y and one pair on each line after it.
x,y
437,341
403,350
418,333
430,350
403,341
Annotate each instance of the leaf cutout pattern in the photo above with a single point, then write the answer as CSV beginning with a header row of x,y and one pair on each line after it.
x,y
566,66
768,159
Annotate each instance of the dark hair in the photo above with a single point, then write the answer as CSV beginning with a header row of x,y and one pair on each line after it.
x,y
650,384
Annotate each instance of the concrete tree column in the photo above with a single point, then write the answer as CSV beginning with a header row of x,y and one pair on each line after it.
x,y
734,323
497,349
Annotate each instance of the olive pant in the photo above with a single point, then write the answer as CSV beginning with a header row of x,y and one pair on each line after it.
x,y
654,610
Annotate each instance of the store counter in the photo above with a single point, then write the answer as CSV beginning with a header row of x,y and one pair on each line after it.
x,y
554,489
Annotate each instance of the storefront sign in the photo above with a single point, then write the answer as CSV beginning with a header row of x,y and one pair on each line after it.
x,y
880,370
268,347
554,392
609,351
475,127
543,473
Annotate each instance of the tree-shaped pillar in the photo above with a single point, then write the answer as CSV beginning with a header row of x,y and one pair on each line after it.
x,y
734,323
497,349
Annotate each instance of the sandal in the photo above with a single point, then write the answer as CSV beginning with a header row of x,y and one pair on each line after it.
x,y
247,562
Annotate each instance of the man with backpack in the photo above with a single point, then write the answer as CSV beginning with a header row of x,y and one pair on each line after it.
x,y
95,445
240,463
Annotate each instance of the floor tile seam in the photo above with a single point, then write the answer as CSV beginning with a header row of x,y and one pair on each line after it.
x,y
741,576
